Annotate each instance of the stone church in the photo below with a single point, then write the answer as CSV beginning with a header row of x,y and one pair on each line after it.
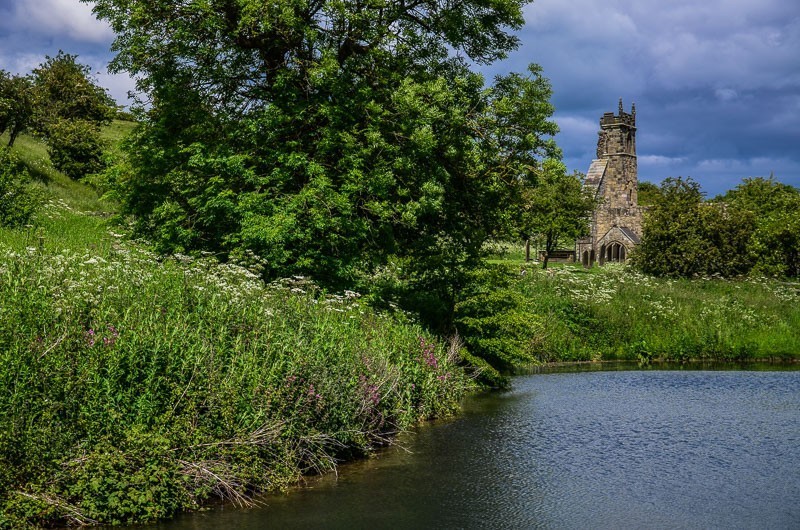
x,y
617,220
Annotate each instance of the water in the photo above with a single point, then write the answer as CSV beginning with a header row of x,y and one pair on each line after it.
x,y
625,449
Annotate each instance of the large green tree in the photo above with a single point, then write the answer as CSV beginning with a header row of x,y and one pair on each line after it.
x,y
327,136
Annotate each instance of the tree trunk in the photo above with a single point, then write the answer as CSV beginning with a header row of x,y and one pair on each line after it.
x,y
527,250
549,245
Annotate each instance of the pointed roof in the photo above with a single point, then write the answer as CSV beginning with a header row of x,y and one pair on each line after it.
x,y
619,233
630,234
595,174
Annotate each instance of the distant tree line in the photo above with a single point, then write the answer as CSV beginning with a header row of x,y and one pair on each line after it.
x,y
752,229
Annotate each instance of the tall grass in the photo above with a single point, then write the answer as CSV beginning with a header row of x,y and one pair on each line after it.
x,y
114,361
133,386
614,312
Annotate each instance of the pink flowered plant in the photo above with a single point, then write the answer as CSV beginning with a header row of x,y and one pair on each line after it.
x,y
428,353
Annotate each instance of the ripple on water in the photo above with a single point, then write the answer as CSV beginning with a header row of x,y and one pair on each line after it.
x,y
654,449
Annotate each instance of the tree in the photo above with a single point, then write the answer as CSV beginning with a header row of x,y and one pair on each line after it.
x,y
65,90
70,107
683,236
16,105
558,207
647,193
328,137
775,240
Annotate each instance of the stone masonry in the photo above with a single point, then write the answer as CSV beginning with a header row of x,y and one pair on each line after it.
x,y
617,221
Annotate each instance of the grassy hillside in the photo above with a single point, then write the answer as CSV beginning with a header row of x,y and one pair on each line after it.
x,y
134,386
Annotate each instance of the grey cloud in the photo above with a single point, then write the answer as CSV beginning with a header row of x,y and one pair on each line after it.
x,y
30,30
713,81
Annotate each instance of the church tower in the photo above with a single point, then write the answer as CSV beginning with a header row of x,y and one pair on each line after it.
x,y
617,221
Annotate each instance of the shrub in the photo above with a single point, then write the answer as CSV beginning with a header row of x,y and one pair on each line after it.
x,y
496,321
19,199
75,148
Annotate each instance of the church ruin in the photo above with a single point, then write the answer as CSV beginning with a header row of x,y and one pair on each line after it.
x,y
617,220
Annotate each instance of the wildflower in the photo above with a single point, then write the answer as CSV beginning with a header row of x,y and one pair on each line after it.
x,y
428,353
111,339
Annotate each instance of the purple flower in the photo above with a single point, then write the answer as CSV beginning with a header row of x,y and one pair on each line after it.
x,y
428,354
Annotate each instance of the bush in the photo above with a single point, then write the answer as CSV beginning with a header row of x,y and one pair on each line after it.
x,y
75,148
19,199
496,322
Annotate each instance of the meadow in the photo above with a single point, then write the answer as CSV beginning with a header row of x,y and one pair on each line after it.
x,y
618,313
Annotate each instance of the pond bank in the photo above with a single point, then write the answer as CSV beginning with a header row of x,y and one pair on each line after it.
x,y
621,449
137,386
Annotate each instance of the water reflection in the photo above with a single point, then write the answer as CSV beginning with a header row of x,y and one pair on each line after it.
x,y
615,449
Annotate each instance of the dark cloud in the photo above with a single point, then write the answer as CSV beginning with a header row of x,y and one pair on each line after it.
x,y
716,83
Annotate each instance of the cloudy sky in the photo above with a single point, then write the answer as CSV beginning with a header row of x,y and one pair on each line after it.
x,y
716,83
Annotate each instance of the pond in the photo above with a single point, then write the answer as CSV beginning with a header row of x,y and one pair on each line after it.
x,y
602,449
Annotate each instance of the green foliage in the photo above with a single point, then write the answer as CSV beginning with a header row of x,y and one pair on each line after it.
x,y
750,229
65,90
367,142
75,148
69,110
497,323
16,105
133,387
558,207
776,238
648,193
19,199
686,237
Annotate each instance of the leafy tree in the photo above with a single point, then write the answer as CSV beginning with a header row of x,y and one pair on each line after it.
x,y
557,207
16,105
648,193
683,236
65,90
329,137
776,239
70,107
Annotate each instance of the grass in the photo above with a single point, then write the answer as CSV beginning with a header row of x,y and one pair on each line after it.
x,y
614,312
134,386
